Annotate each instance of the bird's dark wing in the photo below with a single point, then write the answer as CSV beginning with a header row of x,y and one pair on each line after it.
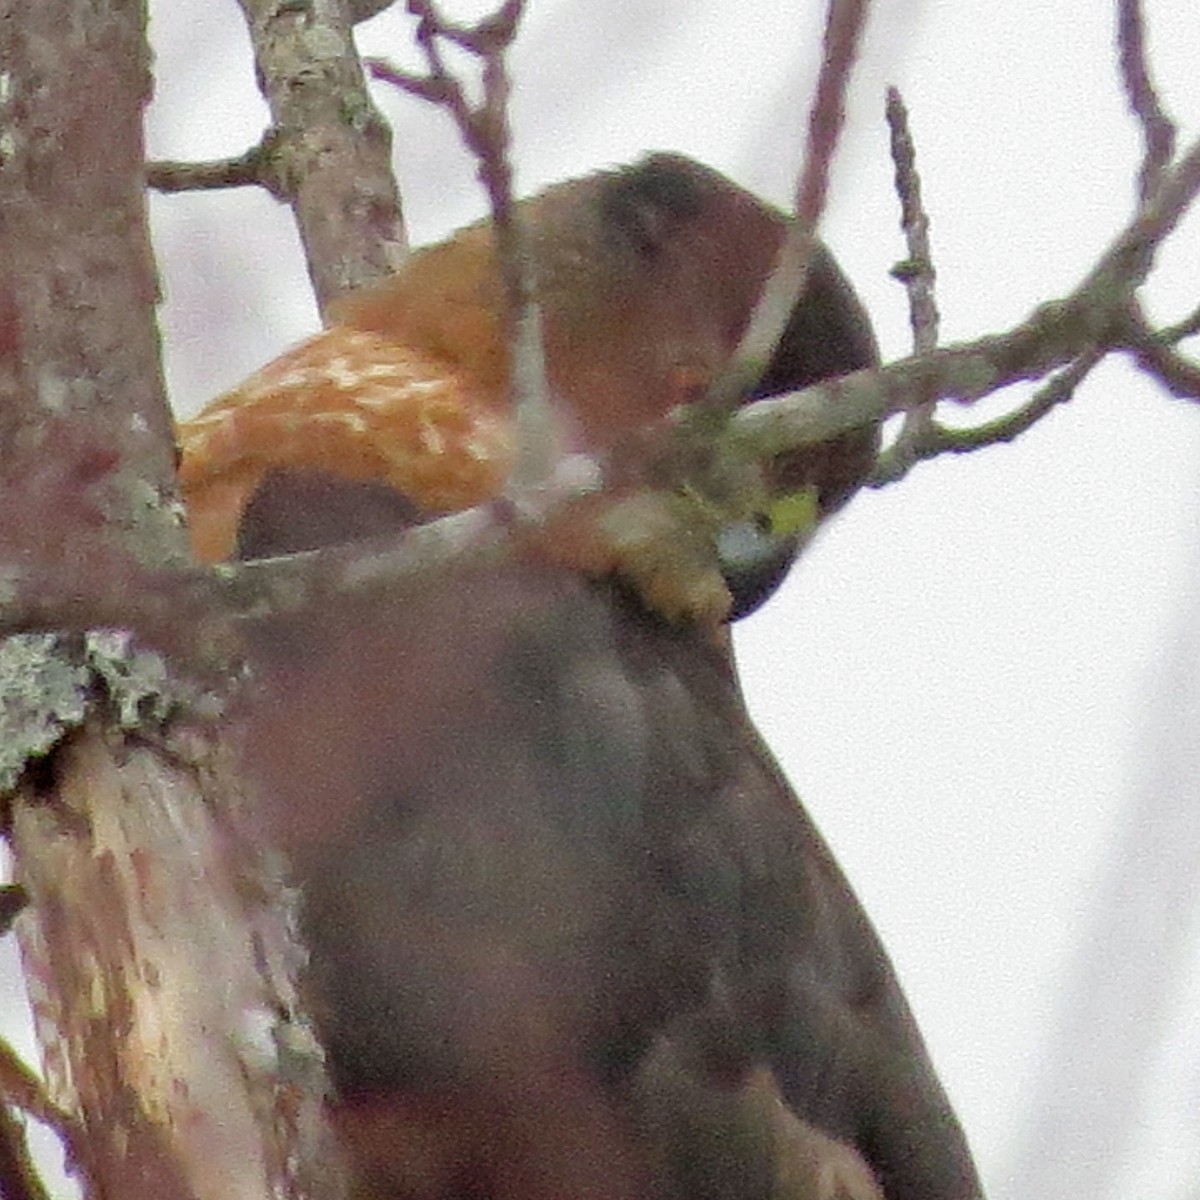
x,y
571,933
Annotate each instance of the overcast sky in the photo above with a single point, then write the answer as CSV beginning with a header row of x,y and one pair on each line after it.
x,y
983,680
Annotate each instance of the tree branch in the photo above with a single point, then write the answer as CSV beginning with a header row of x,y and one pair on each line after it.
x,y
939,439
919,432
917,271
538,479
332,149
1156,354
1158,130
258,167
844,24
1055,334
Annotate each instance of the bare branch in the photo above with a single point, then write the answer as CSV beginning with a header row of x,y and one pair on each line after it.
x,y
1054,335
1058,390
19,1178
1158,130
293,583
1155,353
536,481
917,272
258,167
937,439
332,149
1188,327
22,1090
844,26
919,430
845,20
483,128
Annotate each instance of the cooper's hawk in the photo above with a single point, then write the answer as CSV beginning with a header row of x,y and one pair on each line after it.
x,y
572,934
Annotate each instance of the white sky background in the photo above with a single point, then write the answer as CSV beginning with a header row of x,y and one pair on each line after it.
x,y
981,679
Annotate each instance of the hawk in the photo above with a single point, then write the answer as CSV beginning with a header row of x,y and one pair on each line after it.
x,y
572,934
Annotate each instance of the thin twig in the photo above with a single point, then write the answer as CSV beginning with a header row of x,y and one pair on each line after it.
x,y
939,439
1158,130
1188,327
256,167
845,20
919,432
533,484
19,1178
1156,355
1178,374
844,27
1057,390
483,127
917,272
22,1090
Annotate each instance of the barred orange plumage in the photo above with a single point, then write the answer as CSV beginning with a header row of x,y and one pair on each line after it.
x,y
354,404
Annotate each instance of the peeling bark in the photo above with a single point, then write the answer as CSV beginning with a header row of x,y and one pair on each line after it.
x,y
175,1056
